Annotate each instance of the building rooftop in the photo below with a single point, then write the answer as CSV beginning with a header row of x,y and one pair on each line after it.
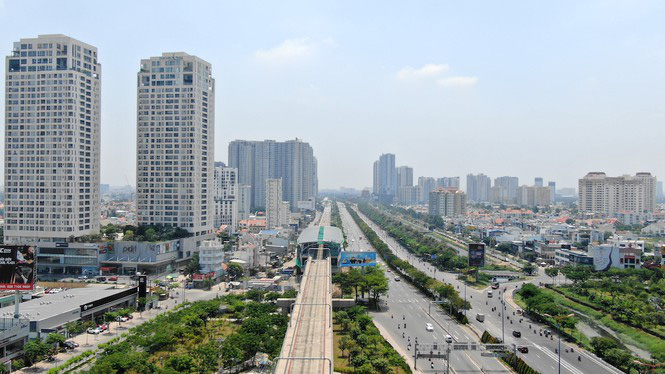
x,y
321,234
51,305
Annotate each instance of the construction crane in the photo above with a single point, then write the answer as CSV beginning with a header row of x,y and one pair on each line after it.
x,y
131,190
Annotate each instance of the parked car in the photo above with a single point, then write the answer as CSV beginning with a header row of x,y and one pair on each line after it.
x,y
113,279
122,319
101,279
66,345
103,327
83,277
523,349
94,331
517,334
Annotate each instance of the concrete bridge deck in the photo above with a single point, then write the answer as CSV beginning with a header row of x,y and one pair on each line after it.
x,y
308,345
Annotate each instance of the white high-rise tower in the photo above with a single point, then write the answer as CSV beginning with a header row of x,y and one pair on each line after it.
x,y
52,140
175,142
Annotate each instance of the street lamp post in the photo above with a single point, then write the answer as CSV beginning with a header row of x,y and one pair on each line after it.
x,y
503,317
465,297
558,327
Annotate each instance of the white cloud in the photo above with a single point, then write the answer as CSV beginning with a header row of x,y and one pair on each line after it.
x,y
427,71
458,81
290,51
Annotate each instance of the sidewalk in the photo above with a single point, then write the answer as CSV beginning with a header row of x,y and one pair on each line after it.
x,y
389,338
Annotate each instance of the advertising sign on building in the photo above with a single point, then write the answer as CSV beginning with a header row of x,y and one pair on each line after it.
x,y
357,259
477,254
17,267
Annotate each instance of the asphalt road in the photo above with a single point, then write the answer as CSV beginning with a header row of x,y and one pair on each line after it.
x,y
405,305
541,356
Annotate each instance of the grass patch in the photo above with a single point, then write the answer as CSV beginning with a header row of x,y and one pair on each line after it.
x,y
627,334
341,362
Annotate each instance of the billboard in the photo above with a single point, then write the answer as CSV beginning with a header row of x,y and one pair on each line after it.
x,y
357,259
17,267
477,254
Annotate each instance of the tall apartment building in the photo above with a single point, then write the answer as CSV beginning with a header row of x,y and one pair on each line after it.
x,y
538,181
552,187
407,195
175,142
478,187
532,196
52,140
447,182
447,202
599,193
425,186
274,203
244,201
404,176
225,189
385,177
293,161
504,190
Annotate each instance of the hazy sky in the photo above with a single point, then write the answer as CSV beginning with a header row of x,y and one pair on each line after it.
x,y
529,88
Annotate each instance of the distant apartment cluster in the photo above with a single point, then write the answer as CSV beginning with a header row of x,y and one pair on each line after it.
x,y
280,177
395,184
52,149
507,190
636,194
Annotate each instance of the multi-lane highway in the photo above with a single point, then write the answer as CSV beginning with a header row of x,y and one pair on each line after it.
x,y
542,355
405,313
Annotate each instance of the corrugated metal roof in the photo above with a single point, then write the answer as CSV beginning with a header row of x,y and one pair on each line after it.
x,y
316,234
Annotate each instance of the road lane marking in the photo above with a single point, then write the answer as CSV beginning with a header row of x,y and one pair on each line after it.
x,y
555,357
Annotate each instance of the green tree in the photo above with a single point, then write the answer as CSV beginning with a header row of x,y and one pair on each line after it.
x,y
601,345
54,338
529,268
34,350
231,352
552,273
344,343
235,270
129,235
181,363
193,266
619,358
150,234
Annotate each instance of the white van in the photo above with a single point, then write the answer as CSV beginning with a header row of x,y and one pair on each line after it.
x,y
480,317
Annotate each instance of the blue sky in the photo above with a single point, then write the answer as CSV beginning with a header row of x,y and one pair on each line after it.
x,y
552,89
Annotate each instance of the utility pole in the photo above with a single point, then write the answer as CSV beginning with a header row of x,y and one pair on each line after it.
x,y
415,356
448,363
465,296
503,338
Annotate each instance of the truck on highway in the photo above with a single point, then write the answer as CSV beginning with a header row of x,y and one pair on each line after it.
x,y
480,317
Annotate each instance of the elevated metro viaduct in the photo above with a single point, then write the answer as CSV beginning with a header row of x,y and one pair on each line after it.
x,y
308,344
